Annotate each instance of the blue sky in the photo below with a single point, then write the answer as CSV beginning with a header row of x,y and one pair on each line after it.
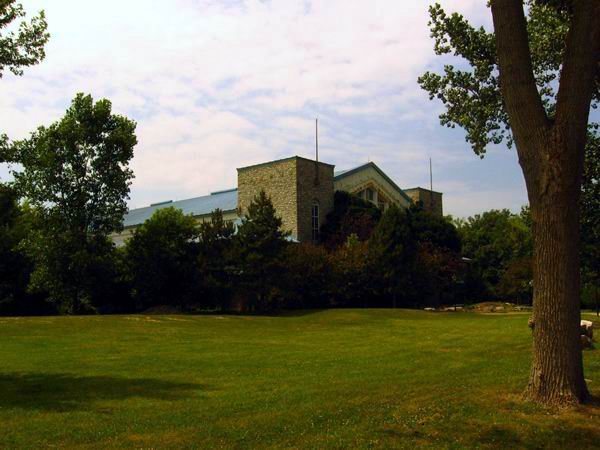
x,y
215,85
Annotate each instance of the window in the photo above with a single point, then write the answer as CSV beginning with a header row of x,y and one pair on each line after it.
x,y
315,222
370,194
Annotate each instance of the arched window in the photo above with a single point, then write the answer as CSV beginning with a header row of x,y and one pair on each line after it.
x,y
315,221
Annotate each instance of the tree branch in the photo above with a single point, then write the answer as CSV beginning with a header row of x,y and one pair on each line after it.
x,y
578,76
523,102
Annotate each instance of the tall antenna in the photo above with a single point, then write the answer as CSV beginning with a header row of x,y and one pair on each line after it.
x,y
317,139
430,184
316,152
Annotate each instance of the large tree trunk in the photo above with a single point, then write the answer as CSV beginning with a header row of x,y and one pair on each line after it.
x,y
557,365
551,155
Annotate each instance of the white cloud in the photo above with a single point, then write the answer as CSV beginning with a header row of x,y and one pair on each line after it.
x,y
218,85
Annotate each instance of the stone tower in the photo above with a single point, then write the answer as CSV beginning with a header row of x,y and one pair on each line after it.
x,y
430,200
301,191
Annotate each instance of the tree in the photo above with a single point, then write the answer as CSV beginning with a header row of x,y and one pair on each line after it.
x,y
439,231
260,244
393,250
161,259
308,276
216,260
25,47
516,280
532,82
493,240
438,269
590,218
19,49
75,174
353,284
350,215
15,268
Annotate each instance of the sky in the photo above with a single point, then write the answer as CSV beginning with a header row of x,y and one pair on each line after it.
x,y
216,85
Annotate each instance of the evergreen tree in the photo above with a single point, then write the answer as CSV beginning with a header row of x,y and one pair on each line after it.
x,y
216,260
393,251
260,245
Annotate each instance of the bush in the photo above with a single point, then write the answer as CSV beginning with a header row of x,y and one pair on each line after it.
x,y
350,215
308,280
161,259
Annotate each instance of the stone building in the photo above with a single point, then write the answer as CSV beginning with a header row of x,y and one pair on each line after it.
x,y
301,191
430,200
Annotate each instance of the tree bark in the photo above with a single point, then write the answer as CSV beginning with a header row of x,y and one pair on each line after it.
x,y
557,366
551,153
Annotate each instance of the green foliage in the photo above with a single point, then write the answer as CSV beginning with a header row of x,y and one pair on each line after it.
x,y
76,170
76,272
260,244
438,231
392,249
216,261
471,92
162,259
516,283
25,46
352,282
350,215
75,175
15,267
493,240
590,210
308,276
439,276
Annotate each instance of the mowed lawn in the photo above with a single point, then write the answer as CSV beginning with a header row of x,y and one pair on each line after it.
x,y
335,378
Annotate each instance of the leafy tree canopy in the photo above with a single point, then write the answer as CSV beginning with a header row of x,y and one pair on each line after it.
x,y
162,258
350,215
23,47
493,240
471,92
439,231
590,211
76,170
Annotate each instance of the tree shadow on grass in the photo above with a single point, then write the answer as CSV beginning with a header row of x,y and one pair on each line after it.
x,y
68,392
574,427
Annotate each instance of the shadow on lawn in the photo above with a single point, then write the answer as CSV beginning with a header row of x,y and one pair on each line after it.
x,y
67,392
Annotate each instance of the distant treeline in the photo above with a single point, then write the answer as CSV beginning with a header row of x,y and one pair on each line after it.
x,y
366,258
70,183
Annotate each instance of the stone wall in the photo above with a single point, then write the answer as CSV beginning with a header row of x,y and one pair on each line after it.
x,y
310,190
293,187
277,179
431,200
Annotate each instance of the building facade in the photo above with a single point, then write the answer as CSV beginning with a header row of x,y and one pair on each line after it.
x,y
302,192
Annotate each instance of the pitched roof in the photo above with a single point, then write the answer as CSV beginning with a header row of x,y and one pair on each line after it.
x,y
197,206
344,173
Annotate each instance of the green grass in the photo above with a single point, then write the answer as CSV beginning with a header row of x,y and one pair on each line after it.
x,y
336,378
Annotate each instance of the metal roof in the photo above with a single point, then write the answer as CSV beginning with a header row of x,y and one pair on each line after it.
x,y
225,200
197,206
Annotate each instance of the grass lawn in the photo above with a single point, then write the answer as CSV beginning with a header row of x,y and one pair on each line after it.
x,y
336,378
